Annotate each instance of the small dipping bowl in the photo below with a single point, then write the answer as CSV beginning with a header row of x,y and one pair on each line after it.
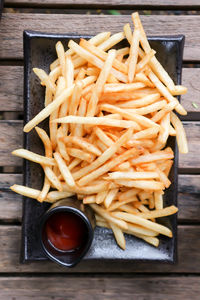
x,y
66,231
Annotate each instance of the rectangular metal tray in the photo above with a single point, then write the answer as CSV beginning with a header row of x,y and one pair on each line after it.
x,y
39,51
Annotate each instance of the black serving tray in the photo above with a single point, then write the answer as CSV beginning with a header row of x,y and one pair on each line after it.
x,y
39,51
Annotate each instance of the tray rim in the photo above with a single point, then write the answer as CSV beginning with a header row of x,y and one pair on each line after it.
x,y
27,36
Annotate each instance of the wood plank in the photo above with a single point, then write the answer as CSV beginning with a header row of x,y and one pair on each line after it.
x,y
11,88
100,287
188,253
11,97
12,26
188,198
11,138
104,3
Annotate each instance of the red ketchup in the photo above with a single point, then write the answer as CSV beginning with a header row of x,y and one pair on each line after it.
x,y
65,231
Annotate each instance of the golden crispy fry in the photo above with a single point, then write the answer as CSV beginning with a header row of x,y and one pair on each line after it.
x,y
64,170
180,133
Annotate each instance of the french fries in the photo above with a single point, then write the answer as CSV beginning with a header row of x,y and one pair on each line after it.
x,y
110,115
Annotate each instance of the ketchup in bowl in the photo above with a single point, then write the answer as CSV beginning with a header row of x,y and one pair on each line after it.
x,y
65,231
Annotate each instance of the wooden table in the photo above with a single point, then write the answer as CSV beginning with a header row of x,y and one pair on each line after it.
x,y
104,280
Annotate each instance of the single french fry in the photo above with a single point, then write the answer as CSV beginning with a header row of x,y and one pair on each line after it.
x,y
149,108
133,56
25,191
180,133
56,195
44,113
141,184
96,121
179,90
123,51
92,105
164,91
46,187
61,56
138,229
167,211
48,96
74,163
75,99
43,160
45,79
64,170
54,114
119,236
164,132
89,199
46,141
133,175
122,87
103,136
69,76
110,197
145,134
158,199
78,131
159,155
149,99
111,41
128,33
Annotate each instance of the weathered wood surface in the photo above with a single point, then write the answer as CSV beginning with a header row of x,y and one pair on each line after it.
x,y
12,26
106,3
11,89
188,198
188,253
11,138
100,287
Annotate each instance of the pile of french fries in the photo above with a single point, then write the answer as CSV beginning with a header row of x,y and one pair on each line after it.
x,y
110,115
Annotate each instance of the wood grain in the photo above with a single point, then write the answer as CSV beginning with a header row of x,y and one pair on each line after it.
x,y
11,96
11,88
11,138
104,3
100,287
12,26
188,253
188,198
